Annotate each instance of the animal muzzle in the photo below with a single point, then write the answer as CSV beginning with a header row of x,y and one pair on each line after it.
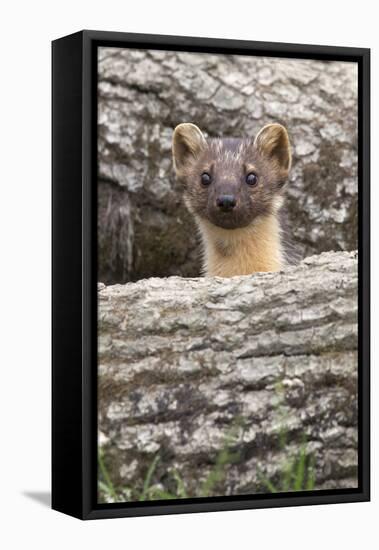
x,y
226,203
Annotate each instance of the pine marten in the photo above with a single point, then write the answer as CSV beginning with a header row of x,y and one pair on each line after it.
x,y
235,190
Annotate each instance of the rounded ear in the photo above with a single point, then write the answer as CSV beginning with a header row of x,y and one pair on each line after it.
x,y
273,142
187,142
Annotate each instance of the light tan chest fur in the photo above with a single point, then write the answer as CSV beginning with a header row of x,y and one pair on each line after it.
x,y
252,249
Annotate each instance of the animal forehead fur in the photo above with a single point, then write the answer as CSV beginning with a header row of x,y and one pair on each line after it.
x,y
229,145
229,150
232,155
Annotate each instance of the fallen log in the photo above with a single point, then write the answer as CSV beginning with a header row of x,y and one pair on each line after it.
x,y
211,386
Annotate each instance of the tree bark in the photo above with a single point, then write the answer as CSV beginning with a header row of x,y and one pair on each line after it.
x,y
144,228
240,376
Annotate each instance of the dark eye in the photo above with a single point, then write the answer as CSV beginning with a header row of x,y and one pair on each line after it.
x,y
251,179
205,178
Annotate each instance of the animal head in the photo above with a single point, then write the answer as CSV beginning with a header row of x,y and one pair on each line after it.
x,y
230,182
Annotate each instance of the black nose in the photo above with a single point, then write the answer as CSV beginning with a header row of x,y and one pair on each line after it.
x,y
226,202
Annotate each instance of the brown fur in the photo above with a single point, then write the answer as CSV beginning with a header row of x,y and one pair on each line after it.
x,y
248,238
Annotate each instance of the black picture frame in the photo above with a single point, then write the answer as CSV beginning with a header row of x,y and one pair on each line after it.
x,y
74,330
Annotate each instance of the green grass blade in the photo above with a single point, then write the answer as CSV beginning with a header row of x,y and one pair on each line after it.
x,y
107,480
160,494
270,486
266,482
300,470
311,474
149,475
287,476
180,487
